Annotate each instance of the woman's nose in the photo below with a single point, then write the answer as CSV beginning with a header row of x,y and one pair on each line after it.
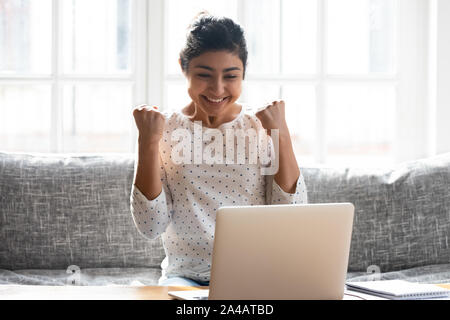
x,y
217,87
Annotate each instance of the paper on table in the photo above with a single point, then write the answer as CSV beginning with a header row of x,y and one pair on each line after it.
x,y
399,289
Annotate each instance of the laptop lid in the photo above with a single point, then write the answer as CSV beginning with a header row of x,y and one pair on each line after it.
x,y
281,251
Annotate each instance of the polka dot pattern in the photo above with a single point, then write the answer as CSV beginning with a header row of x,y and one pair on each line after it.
x,y
184,213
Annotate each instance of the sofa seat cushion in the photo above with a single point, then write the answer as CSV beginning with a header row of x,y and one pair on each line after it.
x,y
437,273
150,276
87,277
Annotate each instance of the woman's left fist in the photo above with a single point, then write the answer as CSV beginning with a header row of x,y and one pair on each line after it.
x,y
273,117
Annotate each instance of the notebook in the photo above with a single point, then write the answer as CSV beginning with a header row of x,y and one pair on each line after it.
x,y
399,289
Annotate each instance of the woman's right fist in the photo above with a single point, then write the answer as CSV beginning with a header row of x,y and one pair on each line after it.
x,y
150,123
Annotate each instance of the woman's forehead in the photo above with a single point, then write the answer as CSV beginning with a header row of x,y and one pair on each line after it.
x,y
222,61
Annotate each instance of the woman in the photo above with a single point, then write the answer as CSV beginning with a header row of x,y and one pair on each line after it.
x,y
178,200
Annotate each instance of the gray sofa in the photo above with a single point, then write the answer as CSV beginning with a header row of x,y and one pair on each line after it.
x,y
65,219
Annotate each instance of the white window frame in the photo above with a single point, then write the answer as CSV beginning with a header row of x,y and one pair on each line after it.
x,y
439,76
412,125
137,78
422,71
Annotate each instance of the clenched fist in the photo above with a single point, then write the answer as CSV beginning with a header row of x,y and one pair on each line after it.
x,y
273,117
150,123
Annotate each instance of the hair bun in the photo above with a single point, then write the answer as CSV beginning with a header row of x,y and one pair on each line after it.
x,y
198,16
202,13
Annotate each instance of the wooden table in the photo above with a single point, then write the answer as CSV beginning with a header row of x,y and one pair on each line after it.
x,y
29,292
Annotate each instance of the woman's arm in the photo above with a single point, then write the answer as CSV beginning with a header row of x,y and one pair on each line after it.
x,y
151,208
150,123
288,171
150,201
273,117
147,178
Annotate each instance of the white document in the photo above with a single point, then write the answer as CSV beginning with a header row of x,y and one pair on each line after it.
x,y
201,294
399,289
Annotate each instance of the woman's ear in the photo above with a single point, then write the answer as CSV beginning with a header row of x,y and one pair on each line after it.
x,y
179,62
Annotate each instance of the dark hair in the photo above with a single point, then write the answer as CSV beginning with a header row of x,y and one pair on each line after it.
x,y
211,33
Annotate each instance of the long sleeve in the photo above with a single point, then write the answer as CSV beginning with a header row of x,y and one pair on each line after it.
x,y
184,213
152,217
276,195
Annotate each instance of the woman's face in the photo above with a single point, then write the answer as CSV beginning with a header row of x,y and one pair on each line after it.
x,y
215,81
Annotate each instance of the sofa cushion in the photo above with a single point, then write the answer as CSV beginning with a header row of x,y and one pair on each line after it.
x,y
402,214
150,276
84,277
60,210
436,273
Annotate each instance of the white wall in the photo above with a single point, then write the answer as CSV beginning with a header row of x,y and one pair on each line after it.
x,y
439,76
413,126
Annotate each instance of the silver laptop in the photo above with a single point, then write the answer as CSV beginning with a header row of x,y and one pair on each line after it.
x,y
279,252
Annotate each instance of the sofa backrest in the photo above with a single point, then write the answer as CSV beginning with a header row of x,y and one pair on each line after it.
x,y
402,214
59,210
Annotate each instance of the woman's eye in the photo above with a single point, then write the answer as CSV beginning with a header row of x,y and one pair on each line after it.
x,y
205,75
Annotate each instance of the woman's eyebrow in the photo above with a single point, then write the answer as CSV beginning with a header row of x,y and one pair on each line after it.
x,y
212,69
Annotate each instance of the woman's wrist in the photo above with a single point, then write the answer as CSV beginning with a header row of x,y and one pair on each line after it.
x,y
148,144
284,137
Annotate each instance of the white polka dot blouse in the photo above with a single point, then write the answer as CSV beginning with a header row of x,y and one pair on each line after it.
x,y
184,213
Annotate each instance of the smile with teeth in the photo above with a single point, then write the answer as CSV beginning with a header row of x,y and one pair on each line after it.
x,y
214,100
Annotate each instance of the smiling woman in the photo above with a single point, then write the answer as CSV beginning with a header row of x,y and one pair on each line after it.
x,y
214,61
178,200
214,85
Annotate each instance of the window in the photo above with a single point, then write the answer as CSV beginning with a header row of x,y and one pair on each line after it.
x,y
351,72
333,62
66,75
